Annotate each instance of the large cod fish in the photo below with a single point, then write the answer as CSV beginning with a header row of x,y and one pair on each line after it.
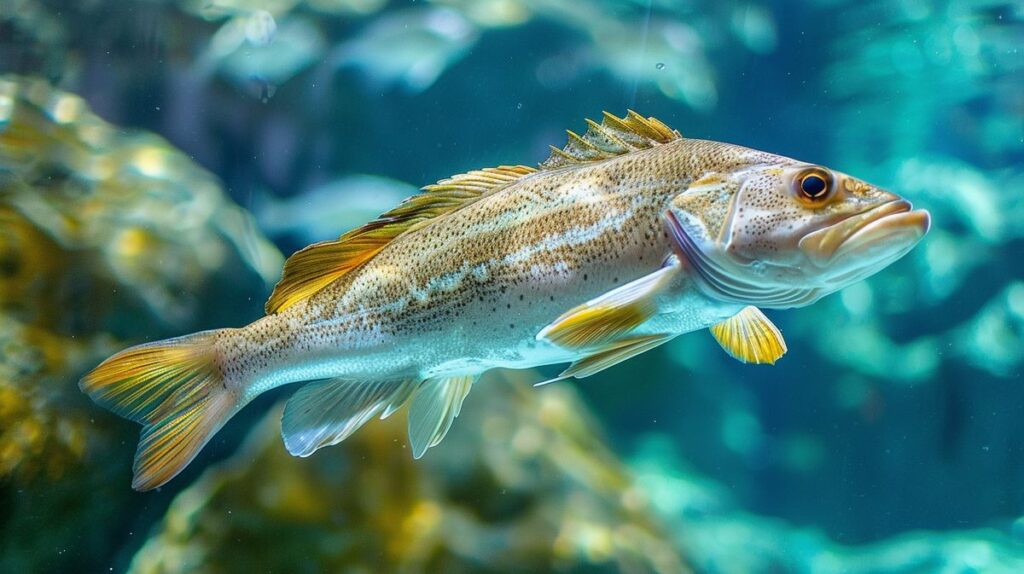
x,y
625,239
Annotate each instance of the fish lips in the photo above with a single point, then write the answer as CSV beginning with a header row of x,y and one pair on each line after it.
x,y
883,233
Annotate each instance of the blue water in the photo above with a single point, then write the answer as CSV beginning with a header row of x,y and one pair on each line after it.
x,y
888,439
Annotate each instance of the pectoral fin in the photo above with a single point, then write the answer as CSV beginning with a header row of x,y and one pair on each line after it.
x,y
612,315
750,337
434,406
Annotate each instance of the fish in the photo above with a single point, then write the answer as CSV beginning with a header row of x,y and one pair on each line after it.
x,y
626,238
255,50
324,211
409,48
672,57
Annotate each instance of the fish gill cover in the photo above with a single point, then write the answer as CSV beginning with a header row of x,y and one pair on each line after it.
x,y
886,440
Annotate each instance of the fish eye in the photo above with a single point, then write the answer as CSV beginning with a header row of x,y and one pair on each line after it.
x,y
814,184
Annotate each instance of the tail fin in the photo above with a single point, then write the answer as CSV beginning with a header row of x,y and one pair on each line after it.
x,y
175,388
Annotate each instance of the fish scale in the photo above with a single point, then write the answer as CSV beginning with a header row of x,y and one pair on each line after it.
x,y
622,240
610,233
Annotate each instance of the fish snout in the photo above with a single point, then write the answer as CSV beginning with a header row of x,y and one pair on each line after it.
x,y
893,226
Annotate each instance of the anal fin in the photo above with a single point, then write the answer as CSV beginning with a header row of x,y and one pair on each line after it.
x,y
435,404
750,337
325,413
612,315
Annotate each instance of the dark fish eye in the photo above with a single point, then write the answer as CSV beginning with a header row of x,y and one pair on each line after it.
x,y
814,185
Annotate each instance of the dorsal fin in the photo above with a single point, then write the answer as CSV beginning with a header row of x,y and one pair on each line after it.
x,y
311,269
612,137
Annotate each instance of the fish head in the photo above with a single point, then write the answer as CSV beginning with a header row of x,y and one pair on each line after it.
x,y
785,233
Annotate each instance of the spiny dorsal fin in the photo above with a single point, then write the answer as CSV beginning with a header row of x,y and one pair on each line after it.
x,y
612,137
311,269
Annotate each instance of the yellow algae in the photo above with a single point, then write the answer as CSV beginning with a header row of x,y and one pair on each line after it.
x,y
151,162
66,108
150,219
84,234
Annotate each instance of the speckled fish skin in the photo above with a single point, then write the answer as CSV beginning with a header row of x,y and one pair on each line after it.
x,y
471,290
628,237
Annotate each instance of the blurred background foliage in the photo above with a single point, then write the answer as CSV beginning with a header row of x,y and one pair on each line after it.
x,y
887,439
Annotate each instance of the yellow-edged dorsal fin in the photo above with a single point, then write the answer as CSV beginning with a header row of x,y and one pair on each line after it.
x,y
612,137
611,316
750,337
311,269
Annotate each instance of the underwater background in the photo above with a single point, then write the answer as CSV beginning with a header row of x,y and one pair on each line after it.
x,y
158,158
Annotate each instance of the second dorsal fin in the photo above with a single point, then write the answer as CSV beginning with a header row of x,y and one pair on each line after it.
x,y
614,136
311,269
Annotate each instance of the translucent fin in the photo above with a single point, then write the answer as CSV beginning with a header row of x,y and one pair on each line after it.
x,y
399,398
612,137
613,355
311,269
612,315
175,389
750,337
325,413
434,406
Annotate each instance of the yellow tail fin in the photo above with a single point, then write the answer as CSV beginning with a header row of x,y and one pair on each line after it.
x,y
176,390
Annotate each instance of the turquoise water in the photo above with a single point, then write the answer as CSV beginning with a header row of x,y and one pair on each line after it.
x,y
887,440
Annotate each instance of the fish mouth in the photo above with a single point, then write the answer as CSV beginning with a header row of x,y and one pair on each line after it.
x,y
888,230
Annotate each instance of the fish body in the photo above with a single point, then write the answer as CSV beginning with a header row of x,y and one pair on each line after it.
x,y
472,291
627,238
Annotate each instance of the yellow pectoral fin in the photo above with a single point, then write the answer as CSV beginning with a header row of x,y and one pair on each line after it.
x,y
610,316
750,337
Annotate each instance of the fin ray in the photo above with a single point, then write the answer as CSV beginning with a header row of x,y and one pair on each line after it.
x,y
434,406
311,269
324,413
750,337
613,355
612,315
176,390
613,137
